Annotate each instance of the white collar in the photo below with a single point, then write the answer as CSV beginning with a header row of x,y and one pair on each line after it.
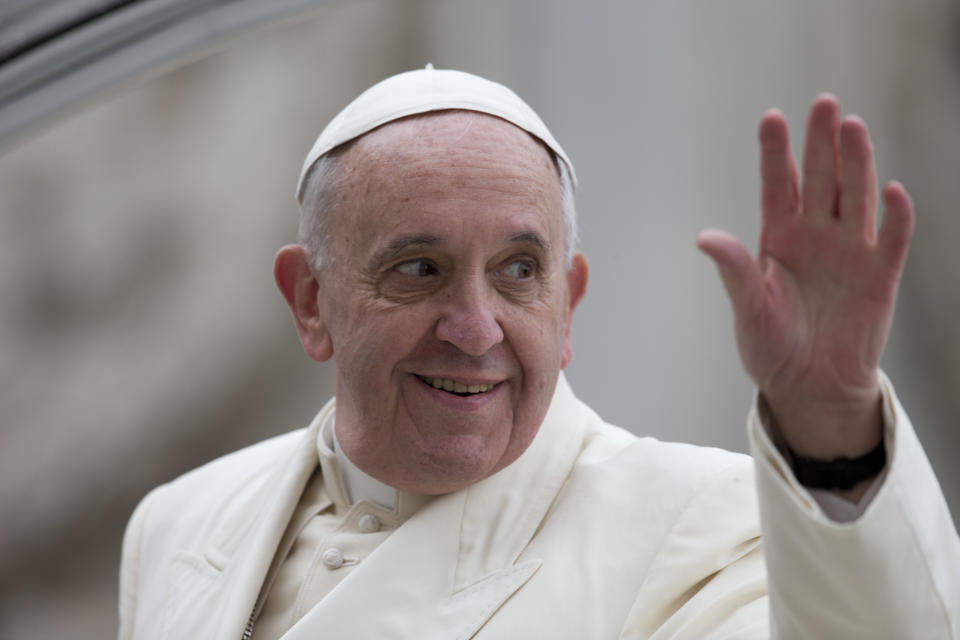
x,y
357,484
347,484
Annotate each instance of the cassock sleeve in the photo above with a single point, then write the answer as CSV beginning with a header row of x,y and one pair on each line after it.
x,y
893,572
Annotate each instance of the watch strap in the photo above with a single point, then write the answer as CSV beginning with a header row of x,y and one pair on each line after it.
x,y
840,473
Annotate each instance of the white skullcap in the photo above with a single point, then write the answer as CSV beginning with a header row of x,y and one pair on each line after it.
x,y
426,90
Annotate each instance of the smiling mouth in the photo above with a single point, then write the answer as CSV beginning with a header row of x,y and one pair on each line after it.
x,y
454,387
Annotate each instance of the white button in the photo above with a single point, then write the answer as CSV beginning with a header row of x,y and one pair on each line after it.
x,y
369,523
333,558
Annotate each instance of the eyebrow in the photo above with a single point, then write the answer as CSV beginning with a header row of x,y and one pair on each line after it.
x,y
531,237
403,242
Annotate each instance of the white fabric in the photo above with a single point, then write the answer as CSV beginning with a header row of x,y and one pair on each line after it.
x,y
326,517
591,533
835,507
314,518
424,90
894,571
839,509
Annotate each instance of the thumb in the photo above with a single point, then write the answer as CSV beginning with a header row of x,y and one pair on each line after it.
x,y
740,274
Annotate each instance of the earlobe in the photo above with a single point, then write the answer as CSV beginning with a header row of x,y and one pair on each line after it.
x,y
577,276
301,289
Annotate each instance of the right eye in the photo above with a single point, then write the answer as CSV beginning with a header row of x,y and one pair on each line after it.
x,y
419,268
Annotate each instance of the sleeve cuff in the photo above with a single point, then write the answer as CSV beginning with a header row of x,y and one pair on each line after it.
x,y
770,446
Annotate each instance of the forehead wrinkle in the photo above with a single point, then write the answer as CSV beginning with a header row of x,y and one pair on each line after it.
x,y
398,244
515,178
467,190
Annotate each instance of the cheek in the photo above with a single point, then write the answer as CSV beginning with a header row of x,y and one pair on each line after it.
x,y
542,336
369,342
366,355
539,346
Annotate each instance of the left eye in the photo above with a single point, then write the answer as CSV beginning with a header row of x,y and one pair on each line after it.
x,y
520,270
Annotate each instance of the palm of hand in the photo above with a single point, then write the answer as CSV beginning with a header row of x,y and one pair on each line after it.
x,y
823,314
813,311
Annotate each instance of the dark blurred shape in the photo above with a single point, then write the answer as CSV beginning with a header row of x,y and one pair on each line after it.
x,y
28,23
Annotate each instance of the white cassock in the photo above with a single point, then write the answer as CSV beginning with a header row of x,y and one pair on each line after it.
x,y
592,533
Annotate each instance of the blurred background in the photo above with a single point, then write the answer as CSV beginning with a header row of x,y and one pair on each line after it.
x,y
141,333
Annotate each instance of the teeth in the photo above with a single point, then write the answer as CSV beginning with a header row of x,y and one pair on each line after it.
x,y
457,387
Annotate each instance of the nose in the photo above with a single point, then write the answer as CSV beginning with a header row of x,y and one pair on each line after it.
x,y
469,321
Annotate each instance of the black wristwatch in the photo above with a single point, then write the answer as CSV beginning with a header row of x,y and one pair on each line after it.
x,y
842,473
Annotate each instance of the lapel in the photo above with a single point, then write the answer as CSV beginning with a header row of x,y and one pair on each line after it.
x,y
244,576
445,571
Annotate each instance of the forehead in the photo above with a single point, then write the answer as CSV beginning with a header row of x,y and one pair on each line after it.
x,y
454,133
448,163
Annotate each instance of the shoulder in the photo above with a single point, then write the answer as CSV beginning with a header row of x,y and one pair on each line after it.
x,y
200,516
661,518
181,511
674,466
225,474
246,461
665,489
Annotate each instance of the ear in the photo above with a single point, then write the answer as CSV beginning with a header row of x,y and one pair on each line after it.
x,y
301,290
577,276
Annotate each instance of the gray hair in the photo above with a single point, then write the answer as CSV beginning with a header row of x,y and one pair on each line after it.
x,y
321,194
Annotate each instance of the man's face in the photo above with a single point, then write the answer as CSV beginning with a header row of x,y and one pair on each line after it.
x,y
446,299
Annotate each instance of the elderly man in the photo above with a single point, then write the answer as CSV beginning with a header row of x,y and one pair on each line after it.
x,y
456,488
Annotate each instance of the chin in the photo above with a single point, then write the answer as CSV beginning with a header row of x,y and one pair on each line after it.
x,y
452,466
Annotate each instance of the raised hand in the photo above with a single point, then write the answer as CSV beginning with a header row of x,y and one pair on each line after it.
x,y
812,312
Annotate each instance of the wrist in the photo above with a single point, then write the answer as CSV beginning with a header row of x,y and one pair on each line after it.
x,y
827,431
